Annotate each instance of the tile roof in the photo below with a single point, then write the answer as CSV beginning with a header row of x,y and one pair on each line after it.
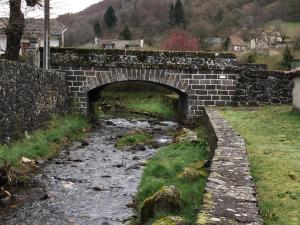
x,y
36,26
236,40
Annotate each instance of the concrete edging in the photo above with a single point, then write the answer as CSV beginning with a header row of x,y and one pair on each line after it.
x,y
230,194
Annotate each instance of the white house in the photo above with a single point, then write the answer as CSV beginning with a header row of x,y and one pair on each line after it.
x,y
33,36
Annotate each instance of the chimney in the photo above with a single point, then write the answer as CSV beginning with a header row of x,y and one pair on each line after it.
x,y
142,43
97,39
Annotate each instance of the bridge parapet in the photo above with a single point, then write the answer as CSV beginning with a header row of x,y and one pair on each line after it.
x,y
143,59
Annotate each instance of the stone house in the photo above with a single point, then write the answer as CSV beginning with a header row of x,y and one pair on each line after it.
x,y
33,36
99,43
266,40
236,44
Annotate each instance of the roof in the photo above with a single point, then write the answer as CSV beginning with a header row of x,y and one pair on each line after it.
x,y
236,40
36,26
118,44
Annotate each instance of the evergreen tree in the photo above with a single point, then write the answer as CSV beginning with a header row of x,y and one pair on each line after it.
x,y
287,58
97,29
171,14
178,13
110,17
226,44
125,33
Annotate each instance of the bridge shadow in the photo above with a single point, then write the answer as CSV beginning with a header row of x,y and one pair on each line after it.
x,y
139,87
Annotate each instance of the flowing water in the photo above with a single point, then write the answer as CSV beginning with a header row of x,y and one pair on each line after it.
x,y
94,183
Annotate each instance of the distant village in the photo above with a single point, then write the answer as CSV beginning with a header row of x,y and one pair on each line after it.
x,y
269,41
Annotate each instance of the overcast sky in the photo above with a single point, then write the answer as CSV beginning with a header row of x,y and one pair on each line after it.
x,y
58,7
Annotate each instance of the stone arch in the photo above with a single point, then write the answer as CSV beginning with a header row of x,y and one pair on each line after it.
x,y
158,76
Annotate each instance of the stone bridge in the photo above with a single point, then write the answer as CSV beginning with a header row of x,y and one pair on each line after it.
x,y
201,79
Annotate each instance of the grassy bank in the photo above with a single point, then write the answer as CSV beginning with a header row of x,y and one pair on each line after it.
x,y
272,135
134,138
138,97
43,143
163,170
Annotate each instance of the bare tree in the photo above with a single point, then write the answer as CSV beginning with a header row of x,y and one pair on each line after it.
x,y
15,27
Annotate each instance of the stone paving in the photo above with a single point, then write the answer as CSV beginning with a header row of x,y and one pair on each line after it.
x,y
230,192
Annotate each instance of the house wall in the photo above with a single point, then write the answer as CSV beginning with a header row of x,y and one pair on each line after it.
x,y
238,48
2,44
54,42
296,94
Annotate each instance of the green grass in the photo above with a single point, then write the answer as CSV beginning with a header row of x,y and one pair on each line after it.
x,y
134,138
44,143
291,29
273,62
143,102
272,136
162,170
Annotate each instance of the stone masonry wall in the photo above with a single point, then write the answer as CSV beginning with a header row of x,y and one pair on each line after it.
x,y
142,59
261,87
230,193
203,88
28,97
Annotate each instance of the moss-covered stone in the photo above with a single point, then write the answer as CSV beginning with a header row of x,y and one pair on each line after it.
x,y
185,135
167,199
171,220
193,172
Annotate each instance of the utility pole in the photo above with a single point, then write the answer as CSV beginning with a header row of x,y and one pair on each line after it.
x,y
46,50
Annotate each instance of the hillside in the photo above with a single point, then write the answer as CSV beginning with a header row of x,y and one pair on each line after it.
x,y
150,18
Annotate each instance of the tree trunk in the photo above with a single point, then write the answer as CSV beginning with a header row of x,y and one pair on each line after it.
x,y
14,30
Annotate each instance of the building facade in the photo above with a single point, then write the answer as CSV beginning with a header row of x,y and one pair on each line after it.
x,y
33,36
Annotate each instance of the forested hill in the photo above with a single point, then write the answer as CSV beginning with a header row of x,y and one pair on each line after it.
x,y
202,18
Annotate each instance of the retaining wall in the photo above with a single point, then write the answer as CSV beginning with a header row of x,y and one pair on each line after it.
x,y
28,97
230,194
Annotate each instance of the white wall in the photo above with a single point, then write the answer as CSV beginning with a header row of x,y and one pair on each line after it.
x,y
236,48
2,44
296,94
54,42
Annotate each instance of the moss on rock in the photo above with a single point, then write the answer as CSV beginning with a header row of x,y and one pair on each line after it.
x,y
167,199
185,135
193,172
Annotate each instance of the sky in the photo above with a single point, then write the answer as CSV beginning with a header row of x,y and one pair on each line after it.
x,y
58,7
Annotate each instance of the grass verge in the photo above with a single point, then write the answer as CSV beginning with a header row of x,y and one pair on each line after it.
x,y
137,98
44,143
134,138
149,102
163,169
272,136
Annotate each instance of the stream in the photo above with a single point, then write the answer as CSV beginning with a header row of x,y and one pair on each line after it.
x,y
90,182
